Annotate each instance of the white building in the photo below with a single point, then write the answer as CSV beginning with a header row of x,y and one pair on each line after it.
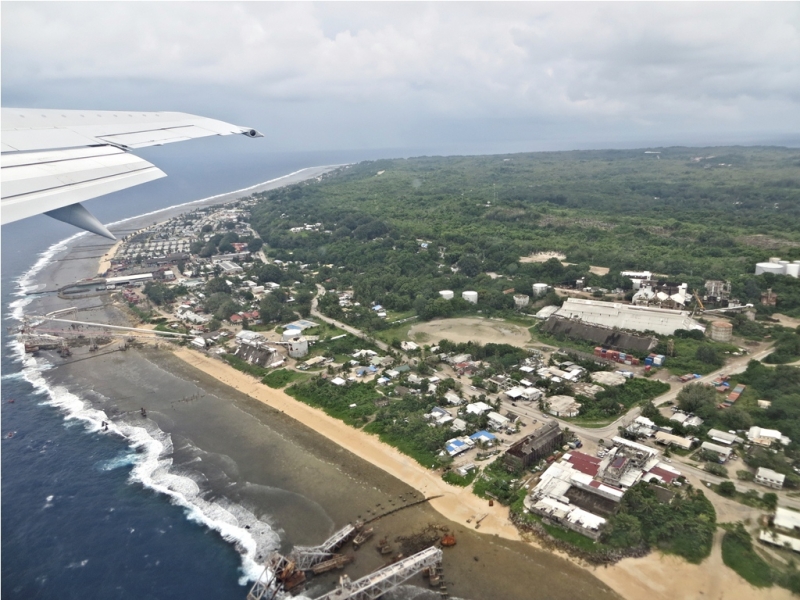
x,y
497,420
766,437
723,437
478,408
563,406
721,451
453,398
770,478
625,316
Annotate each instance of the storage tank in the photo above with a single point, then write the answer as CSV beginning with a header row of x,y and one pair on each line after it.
x,y
447,294
539,289
470,296
298,347
769,267
793,270
521,300
721,331
290,334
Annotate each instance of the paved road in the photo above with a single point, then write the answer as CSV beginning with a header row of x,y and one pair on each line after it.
x,y
531,412
606,432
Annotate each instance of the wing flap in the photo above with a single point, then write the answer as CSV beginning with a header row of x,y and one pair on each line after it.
x,y
39,182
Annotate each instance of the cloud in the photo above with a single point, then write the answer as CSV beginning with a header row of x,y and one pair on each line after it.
x,y
643,66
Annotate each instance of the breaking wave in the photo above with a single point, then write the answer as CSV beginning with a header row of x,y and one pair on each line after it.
x,y
152,448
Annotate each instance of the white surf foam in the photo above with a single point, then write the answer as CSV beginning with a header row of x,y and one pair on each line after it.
x,y
253,538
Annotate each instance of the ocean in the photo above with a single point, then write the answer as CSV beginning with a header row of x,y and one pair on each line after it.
x,y
187,502
73,525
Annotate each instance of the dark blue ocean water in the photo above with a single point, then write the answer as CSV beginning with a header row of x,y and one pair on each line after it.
x,y
73,526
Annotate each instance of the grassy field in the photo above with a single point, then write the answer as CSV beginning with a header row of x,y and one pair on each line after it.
x,y
739,555
283,377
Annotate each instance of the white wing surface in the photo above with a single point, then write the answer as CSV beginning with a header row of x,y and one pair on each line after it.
x,y
54,159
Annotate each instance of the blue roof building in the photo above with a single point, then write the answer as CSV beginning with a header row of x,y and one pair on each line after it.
x,y
483,436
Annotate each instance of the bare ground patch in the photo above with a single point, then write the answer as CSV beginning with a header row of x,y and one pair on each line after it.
x,y
462,330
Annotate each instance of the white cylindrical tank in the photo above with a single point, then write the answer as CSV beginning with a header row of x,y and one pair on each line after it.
x,y
775,259
298,347
289,334
793,270
447,294
769,267
521,300
470,296
540,289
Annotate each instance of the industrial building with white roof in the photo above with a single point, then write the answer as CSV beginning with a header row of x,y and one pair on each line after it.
x,y
624,316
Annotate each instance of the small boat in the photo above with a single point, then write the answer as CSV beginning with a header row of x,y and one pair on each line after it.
x,y
362,537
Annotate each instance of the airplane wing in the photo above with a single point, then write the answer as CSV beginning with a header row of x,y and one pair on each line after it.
x,y
54,159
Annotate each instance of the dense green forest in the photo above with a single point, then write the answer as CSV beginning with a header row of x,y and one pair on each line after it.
x,y
398,231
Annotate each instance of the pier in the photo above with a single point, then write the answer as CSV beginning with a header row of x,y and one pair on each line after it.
x,y
376,584
305,557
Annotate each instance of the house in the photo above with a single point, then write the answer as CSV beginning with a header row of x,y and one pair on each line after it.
x,y
787,520
770,478
563,406
439,416
723,437
497,421
199,342
453,398
466,469
766,437
483,437
459,425
669,439
458,445
478,408
338,381
723,453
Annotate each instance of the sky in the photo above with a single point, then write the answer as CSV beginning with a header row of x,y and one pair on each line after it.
x,y
438,77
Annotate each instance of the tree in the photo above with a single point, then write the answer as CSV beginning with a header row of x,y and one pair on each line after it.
x,y
727,488
469,265
708,354
698,399
770,501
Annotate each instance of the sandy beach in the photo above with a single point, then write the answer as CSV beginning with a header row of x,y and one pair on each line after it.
x,y
223,430
458,504
655,576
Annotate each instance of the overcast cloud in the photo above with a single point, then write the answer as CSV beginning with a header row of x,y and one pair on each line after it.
x,y
475,76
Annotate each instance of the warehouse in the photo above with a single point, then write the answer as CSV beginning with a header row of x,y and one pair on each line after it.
x,y
624,316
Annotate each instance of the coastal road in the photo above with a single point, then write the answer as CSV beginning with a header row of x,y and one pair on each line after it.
x,y
606,432
696,475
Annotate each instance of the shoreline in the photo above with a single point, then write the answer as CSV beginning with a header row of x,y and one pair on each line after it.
x,y
457,504
654,575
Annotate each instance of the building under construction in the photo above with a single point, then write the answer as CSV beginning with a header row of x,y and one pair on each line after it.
x,y
535,446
